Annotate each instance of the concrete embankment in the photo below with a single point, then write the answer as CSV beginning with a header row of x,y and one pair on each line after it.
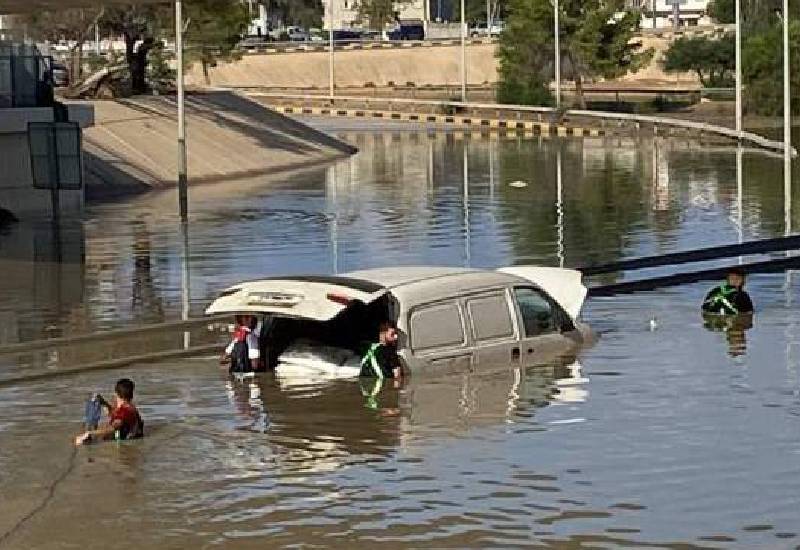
x,y
133,145
422,66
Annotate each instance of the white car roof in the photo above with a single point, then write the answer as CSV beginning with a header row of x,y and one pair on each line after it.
x,y
323,297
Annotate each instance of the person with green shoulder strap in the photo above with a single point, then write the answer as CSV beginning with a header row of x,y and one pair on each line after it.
x,y
380,359
729,298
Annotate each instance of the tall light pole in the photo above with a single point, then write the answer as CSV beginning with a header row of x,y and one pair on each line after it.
x,y
183,192
739,66
787,107
463,53
787,123
557,34
331,75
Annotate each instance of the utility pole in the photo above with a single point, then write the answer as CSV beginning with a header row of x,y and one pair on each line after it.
x,y
739,67
787,126
463,53
557,33
787,103
655,16
332,83
183,192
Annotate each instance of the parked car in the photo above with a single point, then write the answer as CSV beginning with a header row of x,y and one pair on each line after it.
x,y
408,29
449,319
60,75
347,36
481,30
253,42
296,34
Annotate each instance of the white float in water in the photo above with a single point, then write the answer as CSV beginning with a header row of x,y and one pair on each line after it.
x,y
519,184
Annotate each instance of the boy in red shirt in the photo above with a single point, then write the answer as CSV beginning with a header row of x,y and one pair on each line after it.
x,y
124,420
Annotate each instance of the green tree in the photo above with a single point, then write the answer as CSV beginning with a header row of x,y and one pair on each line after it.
x,y
762,70
139,26
213,31
303,13
596,41
378,13
722,11
72,25
712,59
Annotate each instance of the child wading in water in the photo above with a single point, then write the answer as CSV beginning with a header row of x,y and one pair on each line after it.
x,y
124,420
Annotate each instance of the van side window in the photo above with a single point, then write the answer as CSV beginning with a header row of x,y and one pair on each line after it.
x,y
490,316
538,313
436,326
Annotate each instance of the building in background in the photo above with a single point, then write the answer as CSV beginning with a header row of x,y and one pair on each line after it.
x,y
345,12
691,13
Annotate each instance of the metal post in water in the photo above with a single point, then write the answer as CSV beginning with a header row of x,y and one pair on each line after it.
x,y
331,75
185,282
183,192
739,66
463,54
465,198
557,33
739,197
559,207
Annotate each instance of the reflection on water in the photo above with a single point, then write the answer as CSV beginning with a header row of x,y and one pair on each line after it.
x,y
664,434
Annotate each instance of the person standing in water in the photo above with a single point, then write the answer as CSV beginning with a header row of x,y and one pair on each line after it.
x,y
381,360
729,298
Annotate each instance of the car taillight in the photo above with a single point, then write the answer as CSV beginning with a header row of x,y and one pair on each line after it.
x,y
339,298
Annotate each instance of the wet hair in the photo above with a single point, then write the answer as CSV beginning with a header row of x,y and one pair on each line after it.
x,y
124,389
737,271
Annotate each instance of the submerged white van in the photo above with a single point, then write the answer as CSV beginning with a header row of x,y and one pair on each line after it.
x,y
449,319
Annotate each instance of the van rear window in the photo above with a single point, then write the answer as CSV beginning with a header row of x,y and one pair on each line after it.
x,y
437,326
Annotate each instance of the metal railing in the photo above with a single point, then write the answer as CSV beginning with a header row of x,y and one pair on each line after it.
x,y
655,121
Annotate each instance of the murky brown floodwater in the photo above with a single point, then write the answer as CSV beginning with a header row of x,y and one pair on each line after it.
x,y
677,437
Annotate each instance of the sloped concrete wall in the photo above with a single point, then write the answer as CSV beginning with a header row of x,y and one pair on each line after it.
x,y
133,145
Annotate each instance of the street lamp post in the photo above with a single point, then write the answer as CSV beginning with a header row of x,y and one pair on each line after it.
x,y
739,66
557,34
463,54
183,192
331,75
787,107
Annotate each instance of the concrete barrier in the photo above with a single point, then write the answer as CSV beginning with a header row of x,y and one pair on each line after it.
x,y
398,105
478,124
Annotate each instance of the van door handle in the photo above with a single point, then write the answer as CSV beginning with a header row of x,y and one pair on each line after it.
x,y
530,350
515,353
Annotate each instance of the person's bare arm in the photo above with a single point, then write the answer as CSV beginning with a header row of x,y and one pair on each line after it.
x,y
104,432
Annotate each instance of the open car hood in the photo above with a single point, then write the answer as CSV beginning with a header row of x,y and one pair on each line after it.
x,y
313,298
564,285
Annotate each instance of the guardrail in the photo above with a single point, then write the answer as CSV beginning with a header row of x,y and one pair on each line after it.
x,y
349,45
38,345
638,120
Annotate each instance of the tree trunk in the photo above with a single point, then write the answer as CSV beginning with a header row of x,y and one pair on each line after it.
x,y
137,64
579,92
206,76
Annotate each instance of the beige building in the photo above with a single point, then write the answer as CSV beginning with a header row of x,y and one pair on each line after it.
x,y
345,13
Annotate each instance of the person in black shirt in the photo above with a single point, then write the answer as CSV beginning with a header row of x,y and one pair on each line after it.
x,y
381,360
729,298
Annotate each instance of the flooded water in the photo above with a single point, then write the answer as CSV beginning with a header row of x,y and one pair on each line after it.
x,y
664,434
